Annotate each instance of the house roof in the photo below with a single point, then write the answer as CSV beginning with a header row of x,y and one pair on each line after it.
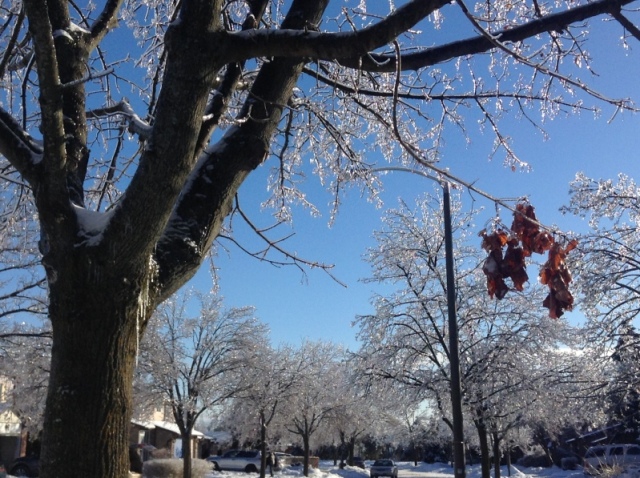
x,y
219,436
172,427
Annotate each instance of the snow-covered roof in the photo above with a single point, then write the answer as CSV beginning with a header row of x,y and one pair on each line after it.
x,y
219,436
172,427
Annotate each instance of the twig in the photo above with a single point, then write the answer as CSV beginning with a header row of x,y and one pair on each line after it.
x,y
441,173
495,40
626,23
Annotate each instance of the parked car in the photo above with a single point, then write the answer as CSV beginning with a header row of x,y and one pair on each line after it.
x,y
598,458
285,459
358,461
25,466
243,460
383,468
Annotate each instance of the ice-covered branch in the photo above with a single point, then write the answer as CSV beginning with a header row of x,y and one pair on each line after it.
x,y
136,124
17,146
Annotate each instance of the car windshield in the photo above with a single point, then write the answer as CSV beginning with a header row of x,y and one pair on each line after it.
x,y
383,463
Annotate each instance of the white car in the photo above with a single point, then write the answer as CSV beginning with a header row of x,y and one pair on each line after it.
x,y
237,460
383,468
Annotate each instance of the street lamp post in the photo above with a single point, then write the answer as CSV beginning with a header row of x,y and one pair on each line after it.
x,y
454,352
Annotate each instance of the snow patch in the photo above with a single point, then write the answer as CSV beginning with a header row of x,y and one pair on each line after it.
x,y
77,28
91,225
62,34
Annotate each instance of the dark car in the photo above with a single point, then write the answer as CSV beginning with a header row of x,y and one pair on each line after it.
x,y
25,466
358,461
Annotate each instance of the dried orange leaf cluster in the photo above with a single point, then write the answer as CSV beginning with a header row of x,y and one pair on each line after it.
x,y
524,239
556,275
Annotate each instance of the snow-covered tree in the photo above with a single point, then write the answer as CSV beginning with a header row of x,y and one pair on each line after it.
x,y
131,127
316,392
607,269
502,343
25,356
269,382
355,412
194,363
624,393
608,266
23,286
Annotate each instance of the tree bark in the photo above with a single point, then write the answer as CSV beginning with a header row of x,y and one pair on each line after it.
x,y
95,336
483,440
263,445
186,454
307,452
497,455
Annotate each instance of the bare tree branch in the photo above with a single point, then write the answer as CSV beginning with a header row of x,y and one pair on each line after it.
x,y
625,22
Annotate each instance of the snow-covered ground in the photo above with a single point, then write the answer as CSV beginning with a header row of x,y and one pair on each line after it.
x,y
406,469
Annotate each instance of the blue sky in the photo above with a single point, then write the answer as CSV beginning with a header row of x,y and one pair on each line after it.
x,y
314,306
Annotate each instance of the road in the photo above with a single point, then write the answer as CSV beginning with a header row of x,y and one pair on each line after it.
x,y
406,472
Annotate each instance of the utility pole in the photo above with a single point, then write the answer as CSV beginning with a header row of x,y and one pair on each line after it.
x,y
459,464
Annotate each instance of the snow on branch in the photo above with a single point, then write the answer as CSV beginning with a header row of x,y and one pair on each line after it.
x,y
136,124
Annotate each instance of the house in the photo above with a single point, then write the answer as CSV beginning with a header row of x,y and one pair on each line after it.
x,y
13,437
159,438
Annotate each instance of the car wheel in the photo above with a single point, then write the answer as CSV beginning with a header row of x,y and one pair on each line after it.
x,y
20,470
215,466
251,469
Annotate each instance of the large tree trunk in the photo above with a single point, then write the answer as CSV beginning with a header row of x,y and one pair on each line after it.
x,y
99,279
483,440
497,454
307,452
95,330
263,445
186,454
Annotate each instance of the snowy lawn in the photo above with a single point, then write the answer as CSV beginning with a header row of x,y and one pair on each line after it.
x,y
438,470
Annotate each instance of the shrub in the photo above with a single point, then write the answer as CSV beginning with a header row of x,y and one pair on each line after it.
x,y
173,467
535,460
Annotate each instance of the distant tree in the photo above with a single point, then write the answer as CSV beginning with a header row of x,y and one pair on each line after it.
x,y
607,274
402,416
624,393
316,392
270,382
25,356
503,344
608,264
194,362
131,127
350,418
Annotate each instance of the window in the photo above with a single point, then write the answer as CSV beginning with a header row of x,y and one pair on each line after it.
x,y
633,450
